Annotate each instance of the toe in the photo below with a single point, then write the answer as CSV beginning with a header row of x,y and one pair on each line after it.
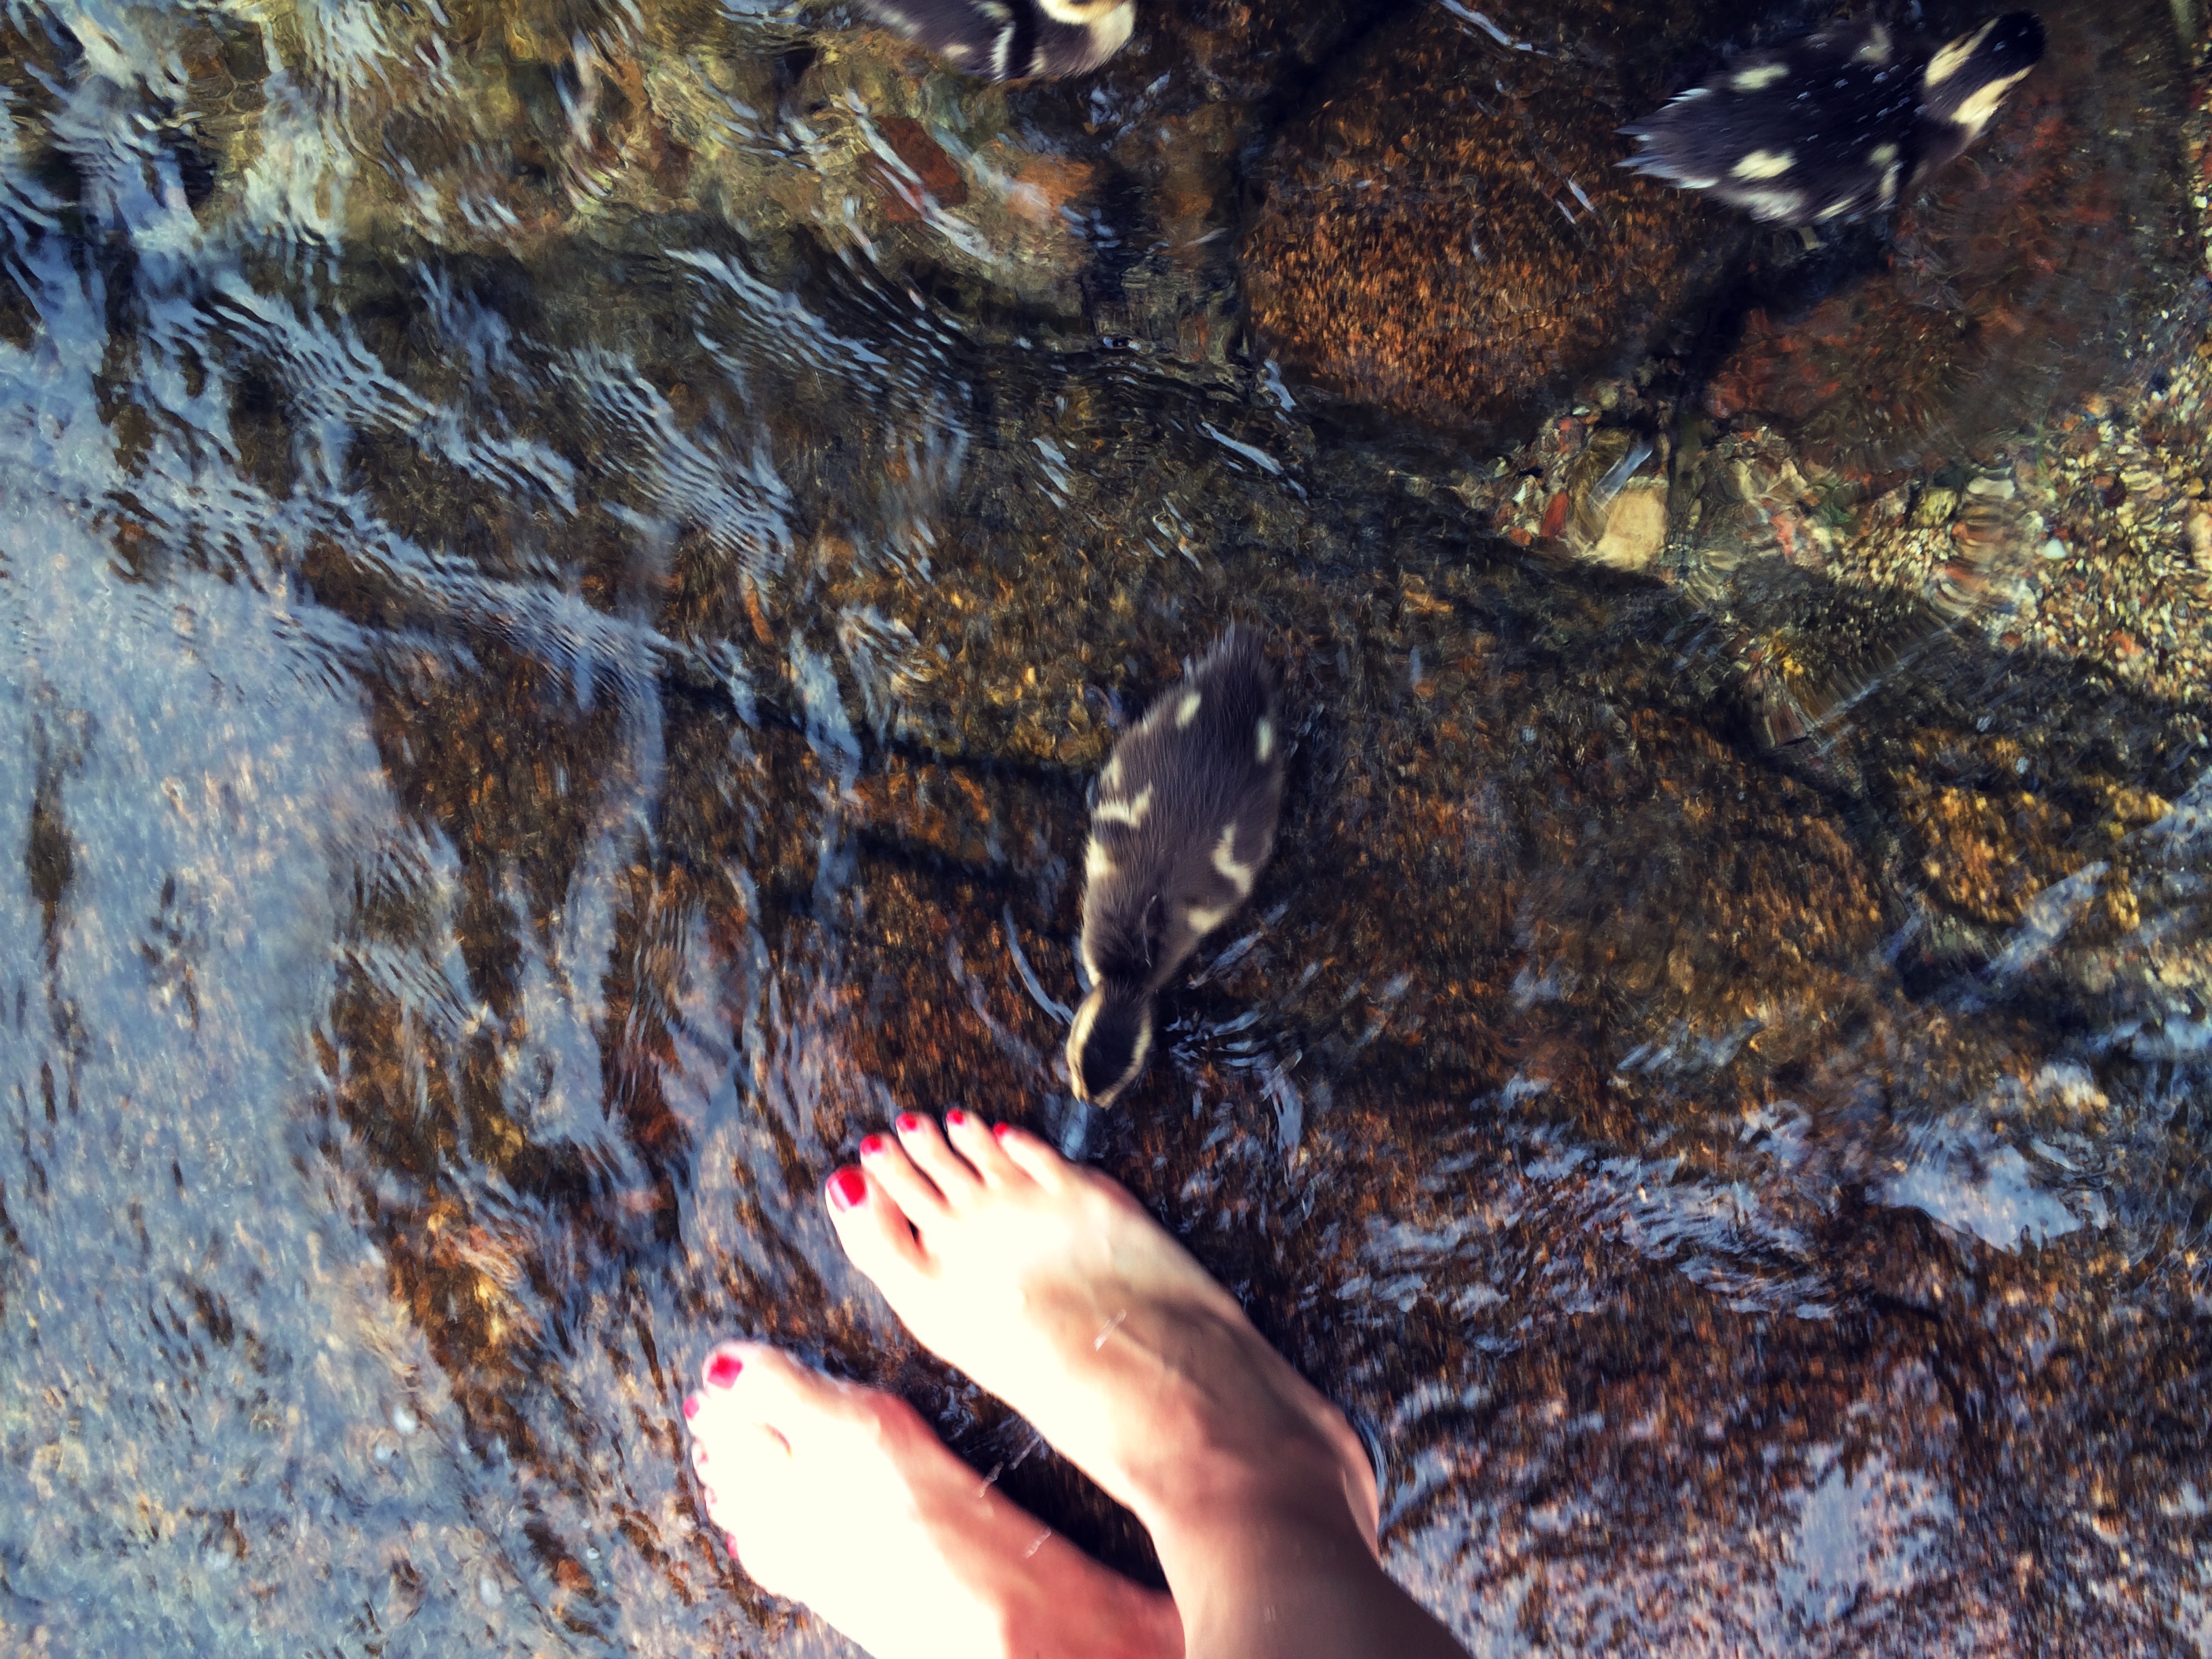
x,y
878,1237
755,1394
1032,1157
724,1364
909,1188
773,1390
955,1176
973,1140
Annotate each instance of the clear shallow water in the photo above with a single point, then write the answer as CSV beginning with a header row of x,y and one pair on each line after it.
x,y
565,575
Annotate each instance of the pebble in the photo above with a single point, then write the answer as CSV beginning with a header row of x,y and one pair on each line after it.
x,y
1934,507
404,1420
488,1591
1636,527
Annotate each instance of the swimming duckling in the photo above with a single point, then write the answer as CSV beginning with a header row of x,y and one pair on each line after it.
x,y
1185,817
1838,124
1008,39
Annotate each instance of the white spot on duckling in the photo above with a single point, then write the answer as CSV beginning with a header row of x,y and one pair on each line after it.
x,y
1973,113
1765,164
1078,1029
1779,206
1266,739
1130,813
1187,710
1955,57
1238,876
1203,918
1755,80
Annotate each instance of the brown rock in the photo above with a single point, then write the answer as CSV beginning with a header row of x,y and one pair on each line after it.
x,y
926,169
1448,233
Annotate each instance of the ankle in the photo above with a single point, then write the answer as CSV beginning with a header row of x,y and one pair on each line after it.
x,y
1287,1478
1123,1621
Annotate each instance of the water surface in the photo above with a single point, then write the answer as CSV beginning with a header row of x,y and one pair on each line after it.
x,y
567,569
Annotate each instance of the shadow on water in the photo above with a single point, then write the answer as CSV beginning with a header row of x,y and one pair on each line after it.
x,y
561,607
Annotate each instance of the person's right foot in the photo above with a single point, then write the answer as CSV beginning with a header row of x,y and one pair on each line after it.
x,y
1048,1285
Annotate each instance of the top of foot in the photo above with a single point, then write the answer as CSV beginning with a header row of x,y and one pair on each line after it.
x,y
1050,1284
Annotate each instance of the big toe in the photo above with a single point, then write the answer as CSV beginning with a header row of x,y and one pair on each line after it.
x,y
749,1386
879,1237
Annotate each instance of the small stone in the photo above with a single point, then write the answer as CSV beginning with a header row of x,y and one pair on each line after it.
x,y
2002,490
1636,527
1934,507
2054,549
2198,527
404,1420
488,1591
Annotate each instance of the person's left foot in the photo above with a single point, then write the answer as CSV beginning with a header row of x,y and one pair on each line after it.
x,y
842,1498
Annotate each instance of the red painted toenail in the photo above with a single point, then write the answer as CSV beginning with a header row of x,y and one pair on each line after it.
x,y
708,1492
691,1406
873,1147
848,1187
722,1370
698,1456
957,1118
1001,1131
730,1540
908,1123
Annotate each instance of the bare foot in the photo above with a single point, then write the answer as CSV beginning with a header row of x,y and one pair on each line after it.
x,y
842,1498
1048,1285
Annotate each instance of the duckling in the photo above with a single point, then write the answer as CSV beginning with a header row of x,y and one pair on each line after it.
x,y
1838,124
1185,817
1008,39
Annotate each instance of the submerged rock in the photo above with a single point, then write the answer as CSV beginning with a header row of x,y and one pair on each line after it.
x,y
1447,232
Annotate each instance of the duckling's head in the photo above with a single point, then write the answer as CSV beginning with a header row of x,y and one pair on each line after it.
x,y
1109,1040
